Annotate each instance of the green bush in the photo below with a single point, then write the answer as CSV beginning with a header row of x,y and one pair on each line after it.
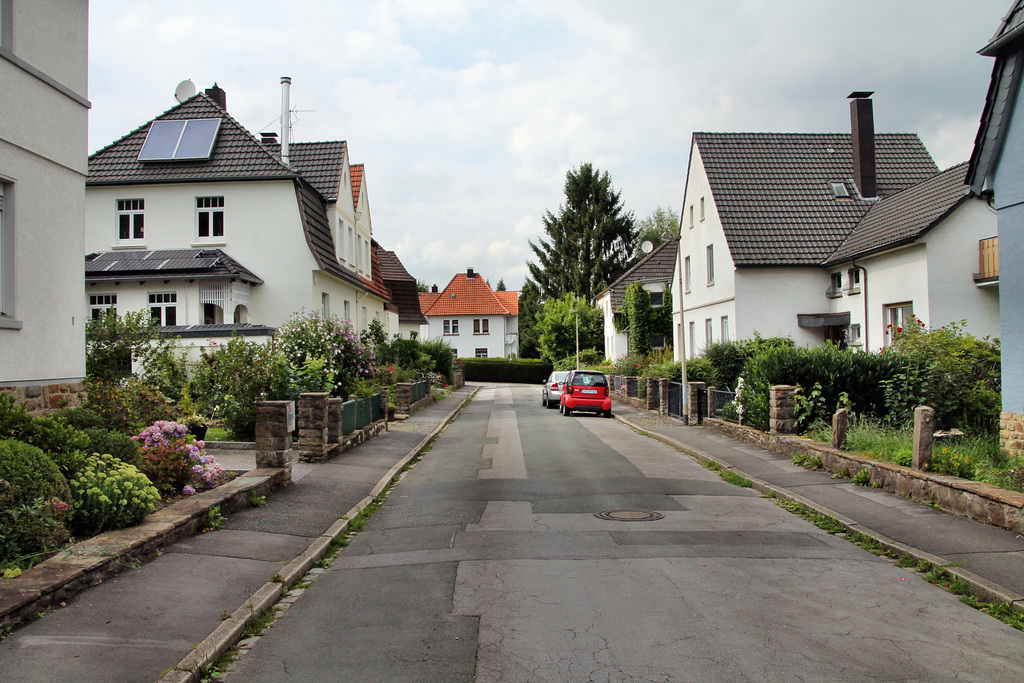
x,y
29,530
108,494
119,445
82,418
229,381
443,355
129,404
521,370
859,375
698,370
955,373
30,472
727,360
589,358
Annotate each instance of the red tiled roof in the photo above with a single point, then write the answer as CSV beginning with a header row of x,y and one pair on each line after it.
x,y
510,300
356,170
469,296
427,300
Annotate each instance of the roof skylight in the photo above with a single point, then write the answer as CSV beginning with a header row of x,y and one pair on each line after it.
x,y
840,191
181,139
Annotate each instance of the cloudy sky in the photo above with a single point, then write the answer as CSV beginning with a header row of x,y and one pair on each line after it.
x,y
468,113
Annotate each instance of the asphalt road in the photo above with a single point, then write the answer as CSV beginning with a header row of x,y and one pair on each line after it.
x,y
488,563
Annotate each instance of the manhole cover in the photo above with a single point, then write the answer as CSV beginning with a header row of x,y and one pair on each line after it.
x,y
630,515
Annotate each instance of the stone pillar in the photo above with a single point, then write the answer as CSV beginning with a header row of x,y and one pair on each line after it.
x,y
631,387
1011,432
403,398
840,423
691,401
313,428
663,396
783,409
924,429
273,438
653,390
335,436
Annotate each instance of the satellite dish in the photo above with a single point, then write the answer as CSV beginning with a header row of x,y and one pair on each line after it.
x,y
185,90
647,247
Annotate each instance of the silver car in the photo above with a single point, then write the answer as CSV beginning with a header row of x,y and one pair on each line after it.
x,y
553,388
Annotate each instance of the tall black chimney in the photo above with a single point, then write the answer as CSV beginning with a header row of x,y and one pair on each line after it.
x,y
470,274
218,95
862,123
433,290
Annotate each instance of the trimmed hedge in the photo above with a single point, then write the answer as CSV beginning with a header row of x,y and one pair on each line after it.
x,y
517,370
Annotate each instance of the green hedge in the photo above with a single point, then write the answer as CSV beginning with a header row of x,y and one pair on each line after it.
x,y
519,370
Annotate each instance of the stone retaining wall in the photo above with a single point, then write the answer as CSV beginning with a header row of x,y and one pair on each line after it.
x,y
44,398
980,502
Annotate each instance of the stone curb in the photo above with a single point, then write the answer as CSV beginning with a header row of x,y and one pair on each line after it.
x,y
229,633
981,587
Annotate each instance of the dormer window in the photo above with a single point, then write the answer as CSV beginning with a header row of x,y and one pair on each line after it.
x,y
840,191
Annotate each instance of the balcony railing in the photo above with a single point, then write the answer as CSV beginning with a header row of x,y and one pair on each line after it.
x,y
988,260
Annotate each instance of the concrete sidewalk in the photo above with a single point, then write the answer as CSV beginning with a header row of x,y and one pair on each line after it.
x,y
989,558
181,611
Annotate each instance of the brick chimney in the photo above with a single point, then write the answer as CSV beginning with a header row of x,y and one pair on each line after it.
x,y
470,274
433,289
217,94
862,125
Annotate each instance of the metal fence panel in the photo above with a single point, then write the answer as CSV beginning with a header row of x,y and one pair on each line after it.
x,y
717,400
675,399
348,417
376,413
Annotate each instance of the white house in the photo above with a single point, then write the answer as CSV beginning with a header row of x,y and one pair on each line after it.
x,y
43,69
997,173
778,227
218,233
477,321
655,272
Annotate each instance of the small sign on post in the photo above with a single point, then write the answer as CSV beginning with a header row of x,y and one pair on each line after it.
x,y
290,415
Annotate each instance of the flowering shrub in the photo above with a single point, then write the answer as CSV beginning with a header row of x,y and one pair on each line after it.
x,y
174,461
109,494
29,529
314,336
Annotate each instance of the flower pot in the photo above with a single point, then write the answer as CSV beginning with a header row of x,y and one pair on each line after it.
x,y
198,431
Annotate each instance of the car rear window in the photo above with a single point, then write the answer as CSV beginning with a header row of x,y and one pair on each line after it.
x,y
589,380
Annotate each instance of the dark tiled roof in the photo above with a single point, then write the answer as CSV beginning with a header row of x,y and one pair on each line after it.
x,y
658,265
236,154
1007,47
167,264
773,193
318,233
320,163
376,285
906,215
404,292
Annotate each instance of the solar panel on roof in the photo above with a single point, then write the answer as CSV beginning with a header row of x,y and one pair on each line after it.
x,y
179,140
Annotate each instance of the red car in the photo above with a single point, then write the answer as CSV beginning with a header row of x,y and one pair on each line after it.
x,y
586,390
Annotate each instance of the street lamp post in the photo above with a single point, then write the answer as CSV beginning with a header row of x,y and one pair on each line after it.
x,y
682,324
573,310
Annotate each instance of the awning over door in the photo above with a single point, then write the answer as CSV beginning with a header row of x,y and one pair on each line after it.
x,y
822,319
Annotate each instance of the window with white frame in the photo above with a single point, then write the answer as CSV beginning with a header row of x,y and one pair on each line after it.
x,y
853,280
709,333
686,271
451,326
209,217
711,264
131,219
702,208
725,328
101,303
691,215
853,335
348,311
896,316
657,341
693,338
350,245
835,286
163,307
481,326
362,319
481,353
657,299
325,303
